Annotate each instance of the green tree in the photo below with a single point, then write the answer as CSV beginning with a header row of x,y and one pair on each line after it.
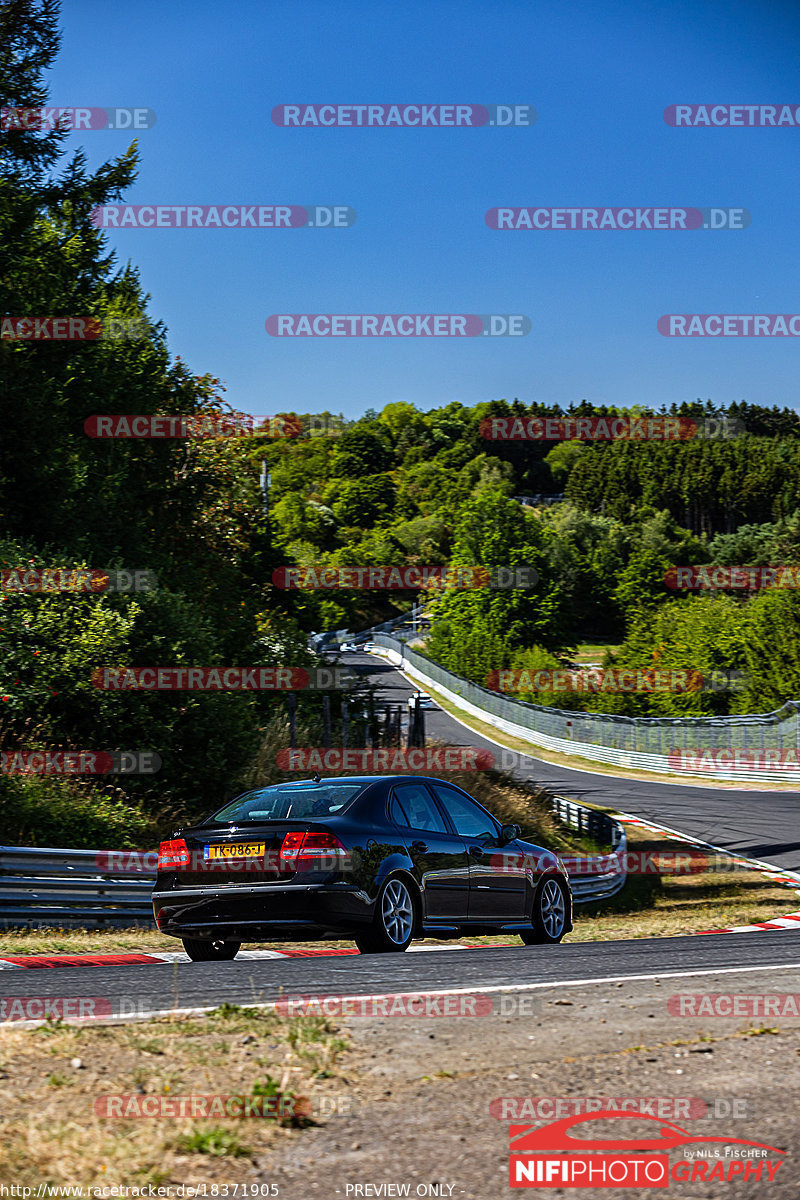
x,y
363,502
475,631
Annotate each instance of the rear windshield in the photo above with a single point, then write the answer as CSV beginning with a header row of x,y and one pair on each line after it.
x,y
289,800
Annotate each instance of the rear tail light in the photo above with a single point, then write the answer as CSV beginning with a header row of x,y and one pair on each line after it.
x,y
173,854
319,847
290,848
311,850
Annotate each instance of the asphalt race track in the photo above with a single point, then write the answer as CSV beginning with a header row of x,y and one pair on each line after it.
x,y
770,957
759,824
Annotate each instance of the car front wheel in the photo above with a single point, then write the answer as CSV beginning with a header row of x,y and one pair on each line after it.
x,y
201,950
549,916
393,923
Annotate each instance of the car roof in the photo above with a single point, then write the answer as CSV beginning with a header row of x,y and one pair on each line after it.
x,y
355,779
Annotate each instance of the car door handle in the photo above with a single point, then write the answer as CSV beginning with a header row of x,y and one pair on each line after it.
x,y
420,847
476,851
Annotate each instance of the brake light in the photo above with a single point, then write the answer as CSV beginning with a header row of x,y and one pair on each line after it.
x,y
174,853
320,846
311,850
290,847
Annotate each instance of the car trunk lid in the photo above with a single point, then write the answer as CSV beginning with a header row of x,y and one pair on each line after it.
x,y
264,852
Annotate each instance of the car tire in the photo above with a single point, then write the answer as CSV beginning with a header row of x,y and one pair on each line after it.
x,y
393,924
204,950
549,915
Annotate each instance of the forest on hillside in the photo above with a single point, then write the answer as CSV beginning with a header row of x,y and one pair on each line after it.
x,y
396,487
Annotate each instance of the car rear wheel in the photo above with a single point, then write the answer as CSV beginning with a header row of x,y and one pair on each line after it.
x,y
202,950
393,923
549,916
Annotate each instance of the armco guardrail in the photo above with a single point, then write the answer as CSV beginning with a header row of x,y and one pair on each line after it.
x,y
407,624
72,889
102,889
594,877
704,746
407,621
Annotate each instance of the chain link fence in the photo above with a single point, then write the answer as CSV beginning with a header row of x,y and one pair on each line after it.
x,y
758,748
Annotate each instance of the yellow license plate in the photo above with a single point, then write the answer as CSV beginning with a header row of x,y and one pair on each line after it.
x,y
236,850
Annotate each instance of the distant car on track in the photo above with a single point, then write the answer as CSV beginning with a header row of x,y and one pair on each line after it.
x,y
424,700
379,858
348,648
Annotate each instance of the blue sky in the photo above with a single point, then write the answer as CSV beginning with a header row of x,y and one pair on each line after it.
x,y
599,75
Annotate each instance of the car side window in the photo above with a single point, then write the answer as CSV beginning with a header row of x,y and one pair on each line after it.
x,y
417,809
396,814
468,818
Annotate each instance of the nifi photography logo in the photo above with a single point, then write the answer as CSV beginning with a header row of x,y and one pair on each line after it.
x,y
550,1156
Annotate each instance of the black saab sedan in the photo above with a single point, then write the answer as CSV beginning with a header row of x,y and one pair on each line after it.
x,y
381,859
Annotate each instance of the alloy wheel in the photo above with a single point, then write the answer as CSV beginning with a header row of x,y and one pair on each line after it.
x,y
552,909
397,912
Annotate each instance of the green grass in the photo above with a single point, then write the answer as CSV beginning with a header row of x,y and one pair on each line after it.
x,y
595,652
218,1142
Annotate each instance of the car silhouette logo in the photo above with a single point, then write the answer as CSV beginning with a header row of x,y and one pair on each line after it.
x,y
526,1139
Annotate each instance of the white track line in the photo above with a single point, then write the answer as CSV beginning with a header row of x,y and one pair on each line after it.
x,y
489,989
780,874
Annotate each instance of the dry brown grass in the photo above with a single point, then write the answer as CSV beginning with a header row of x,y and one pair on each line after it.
x,y
51,1134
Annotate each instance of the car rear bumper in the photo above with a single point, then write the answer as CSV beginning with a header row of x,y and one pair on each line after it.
x,y
261,912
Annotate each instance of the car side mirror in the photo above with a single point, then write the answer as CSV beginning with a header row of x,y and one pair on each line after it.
x,y
508,833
